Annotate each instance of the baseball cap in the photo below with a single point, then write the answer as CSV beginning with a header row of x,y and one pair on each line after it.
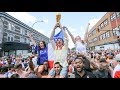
x,y
117,57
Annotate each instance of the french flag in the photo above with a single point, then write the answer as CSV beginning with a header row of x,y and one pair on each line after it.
x,y
115,71
51,56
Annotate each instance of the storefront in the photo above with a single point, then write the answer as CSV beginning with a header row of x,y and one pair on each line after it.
x,y
15,48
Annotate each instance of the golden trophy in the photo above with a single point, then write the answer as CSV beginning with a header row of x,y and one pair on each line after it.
x,y
58,17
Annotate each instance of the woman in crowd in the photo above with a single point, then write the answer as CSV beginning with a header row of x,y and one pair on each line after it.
x,y
57,68
41,50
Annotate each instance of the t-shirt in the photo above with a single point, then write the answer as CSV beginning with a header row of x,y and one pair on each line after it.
x,y
102,74
86,75
61,54
42,54
34,60
81,48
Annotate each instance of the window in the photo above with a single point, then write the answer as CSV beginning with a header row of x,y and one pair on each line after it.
x,y
17,29
5,34
17,40
17,37
103,36
113,17
118,14
119,27
6,24
12,27
25,32
101,25
95,39
88,35
116,32
107,34
8,38
11,38
93,32
9,26
105,22
28,41
5,39
25,40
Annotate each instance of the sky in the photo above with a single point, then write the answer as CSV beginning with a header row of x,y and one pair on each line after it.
x,y
76,22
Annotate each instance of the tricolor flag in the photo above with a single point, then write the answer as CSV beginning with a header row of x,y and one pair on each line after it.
x,y
51,56
117,68
59,35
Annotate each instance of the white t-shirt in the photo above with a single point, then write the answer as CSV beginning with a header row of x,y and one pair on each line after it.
x,y
81,48
61,54
34,60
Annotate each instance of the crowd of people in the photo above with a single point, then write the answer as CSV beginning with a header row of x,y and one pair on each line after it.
x,y
77,63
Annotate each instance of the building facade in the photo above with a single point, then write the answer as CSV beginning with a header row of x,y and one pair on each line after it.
x,y
14,36
105,33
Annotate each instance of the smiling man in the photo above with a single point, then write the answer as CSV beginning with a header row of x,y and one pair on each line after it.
x,y
80,72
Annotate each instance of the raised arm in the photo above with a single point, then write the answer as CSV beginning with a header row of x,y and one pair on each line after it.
x,y
72,37
53,32
64,33
65,36
33,41
52,35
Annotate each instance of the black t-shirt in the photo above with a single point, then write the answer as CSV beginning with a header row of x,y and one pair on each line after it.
x,y
86,75
87,64
102,74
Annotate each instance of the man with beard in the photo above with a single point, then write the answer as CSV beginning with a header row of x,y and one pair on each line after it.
x,y
80,72
103,71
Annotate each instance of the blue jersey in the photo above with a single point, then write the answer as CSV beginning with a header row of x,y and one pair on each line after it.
x,y
42,54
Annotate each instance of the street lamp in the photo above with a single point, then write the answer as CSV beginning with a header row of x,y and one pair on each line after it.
x,y
31,45
36,22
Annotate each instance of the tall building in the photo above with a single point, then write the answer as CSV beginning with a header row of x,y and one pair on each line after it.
x,y
14,35
105,33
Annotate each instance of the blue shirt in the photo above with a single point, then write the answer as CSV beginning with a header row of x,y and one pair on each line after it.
x,y
42,54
